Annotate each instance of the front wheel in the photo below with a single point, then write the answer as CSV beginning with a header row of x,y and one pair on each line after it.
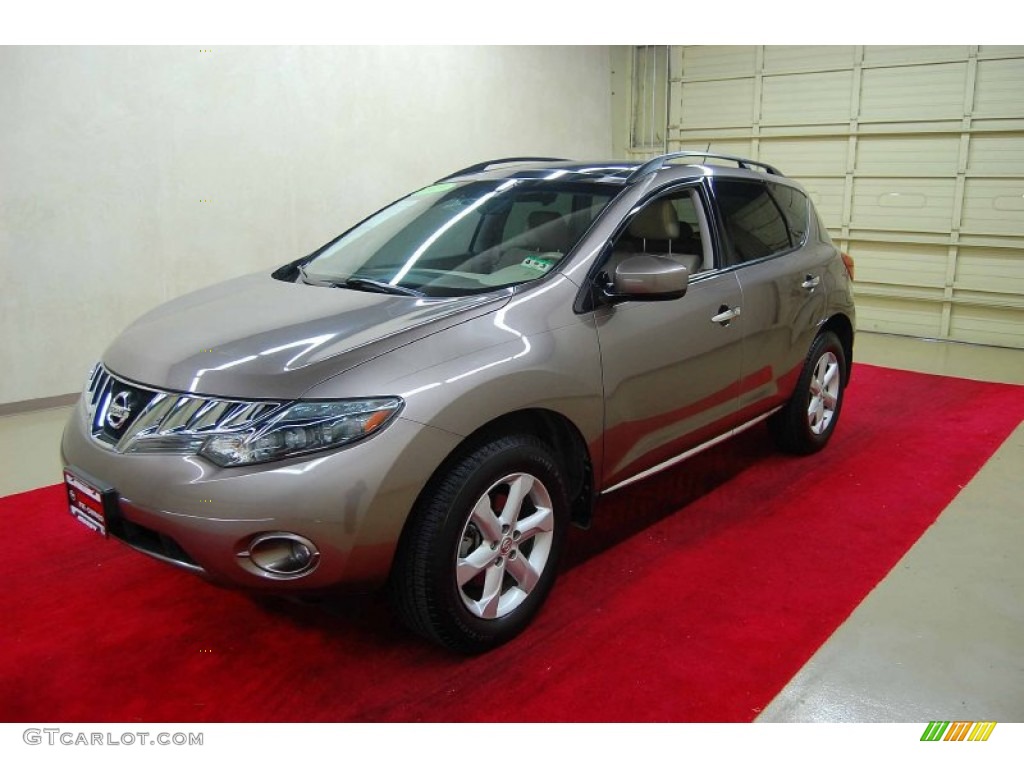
x,y
481,549
807,421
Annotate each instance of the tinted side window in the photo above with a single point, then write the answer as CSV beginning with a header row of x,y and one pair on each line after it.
x,y
793,203
753,224
667,226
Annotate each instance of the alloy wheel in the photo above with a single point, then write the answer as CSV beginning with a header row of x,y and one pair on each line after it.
x,y
824,393
505,545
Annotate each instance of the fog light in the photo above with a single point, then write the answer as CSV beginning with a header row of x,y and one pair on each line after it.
x,y
282,555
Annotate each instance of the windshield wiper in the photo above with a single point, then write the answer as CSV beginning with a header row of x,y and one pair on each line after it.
x,y
369,284
360,284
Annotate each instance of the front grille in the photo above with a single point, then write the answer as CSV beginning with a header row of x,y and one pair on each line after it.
x,y
124,415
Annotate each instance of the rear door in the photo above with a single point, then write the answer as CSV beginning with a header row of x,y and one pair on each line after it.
x,y
782,278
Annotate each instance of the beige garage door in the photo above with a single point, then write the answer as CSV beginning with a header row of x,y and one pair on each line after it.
x,y
913,155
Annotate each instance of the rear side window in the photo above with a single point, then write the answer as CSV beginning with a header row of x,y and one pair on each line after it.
x,y
793,203
753,224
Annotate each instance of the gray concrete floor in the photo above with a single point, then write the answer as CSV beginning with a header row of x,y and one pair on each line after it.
x,y
940,638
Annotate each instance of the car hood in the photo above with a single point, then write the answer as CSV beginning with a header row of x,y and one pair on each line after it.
x,y
258,337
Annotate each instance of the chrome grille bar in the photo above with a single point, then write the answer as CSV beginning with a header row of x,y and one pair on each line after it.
x,y
169,416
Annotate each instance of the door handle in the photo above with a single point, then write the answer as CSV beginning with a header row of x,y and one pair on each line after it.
x,y
810,282
725,314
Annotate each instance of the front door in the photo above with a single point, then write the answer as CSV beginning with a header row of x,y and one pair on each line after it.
x,y
670,367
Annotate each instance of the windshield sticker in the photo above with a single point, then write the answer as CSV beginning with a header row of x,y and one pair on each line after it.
x,y
434,189
539,263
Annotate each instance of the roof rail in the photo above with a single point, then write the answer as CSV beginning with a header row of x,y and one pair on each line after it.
x,y
658,162
485,165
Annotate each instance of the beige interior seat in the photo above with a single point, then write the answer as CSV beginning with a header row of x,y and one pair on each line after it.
x,y
656,222
547,231
657,230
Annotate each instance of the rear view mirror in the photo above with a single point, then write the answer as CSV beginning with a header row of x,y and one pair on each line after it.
x,y
646,277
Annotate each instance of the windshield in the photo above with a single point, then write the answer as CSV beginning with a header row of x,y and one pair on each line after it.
x,y
458,238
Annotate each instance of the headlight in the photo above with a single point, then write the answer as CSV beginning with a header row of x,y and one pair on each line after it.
x,y
300,428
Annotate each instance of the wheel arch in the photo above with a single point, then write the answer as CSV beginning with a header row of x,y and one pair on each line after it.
x,y
551,427
842,327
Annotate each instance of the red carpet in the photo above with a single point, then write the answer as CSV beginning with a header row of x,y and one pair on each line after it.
x,y
697,615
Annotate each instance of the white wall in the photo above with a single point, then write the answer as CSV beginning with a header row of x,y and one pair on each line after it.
x,y
132,175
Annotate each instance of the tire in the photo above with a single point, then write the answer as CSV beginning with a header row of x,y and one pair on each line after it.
x,y
809,418
480,552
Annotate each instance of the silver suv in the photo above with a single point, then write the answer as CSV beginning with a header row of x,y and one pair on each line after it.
x,y
429,400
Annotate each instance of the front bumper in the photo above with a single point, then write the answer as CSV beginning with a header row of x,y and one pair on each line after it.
x,y
351,503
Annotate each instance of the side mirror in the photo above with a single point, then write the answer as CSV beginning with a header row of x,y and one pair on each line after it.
x,y
646,277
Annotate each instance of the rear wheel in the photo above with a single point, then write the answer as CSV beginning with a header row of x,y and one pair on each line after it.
x,y
480,552
808,420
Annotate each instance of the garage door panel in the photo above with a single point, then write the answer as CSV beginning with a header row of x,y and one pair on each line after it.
x,y
986,325
793,58
901,264
827,196
698,138
806,99
719,103
884,55
908,156
734,148
916,205
913,155
892,315
993,206
1000,154
995,270
931,92
988,51
707,61
999,91
807,157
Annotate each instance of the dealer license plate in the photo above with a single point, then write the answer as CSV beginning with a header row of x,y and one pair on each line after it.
x,y
88,502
